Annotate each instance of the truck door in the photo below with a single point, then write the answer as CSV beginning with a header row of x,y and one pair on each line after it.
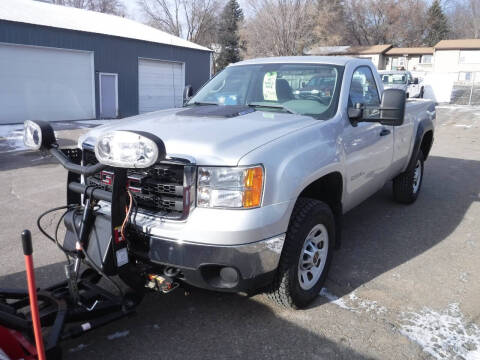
x,y
368,146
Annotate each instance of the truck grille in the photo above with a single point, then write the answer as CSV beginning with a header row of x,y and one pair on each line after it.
x,y
168,189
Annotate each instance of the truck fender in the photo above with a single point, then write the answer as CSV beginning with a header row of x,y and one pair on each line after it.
x,y
424,126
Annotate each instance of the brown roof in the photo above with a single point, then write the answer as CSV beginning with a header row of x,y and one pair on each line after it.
x,y
458,44
369,49
410,51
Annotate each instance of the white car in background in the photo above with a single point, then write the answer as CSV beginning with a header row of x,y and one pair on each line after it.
x,y
397,79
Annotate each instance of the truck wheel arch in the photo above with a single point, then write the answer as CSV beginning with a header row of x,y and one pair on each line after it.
x,y
329,189
423,141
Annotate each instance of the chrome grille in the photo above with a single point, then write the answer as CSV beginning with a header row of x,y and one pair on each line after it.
x,y
164,188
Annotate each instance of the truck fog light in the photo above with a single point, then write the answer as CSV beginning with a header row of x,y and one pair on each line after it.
x,y
229,274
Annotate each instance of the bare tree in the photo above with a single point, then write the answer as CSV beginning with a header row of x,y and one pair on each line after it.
x,y
279,27
330,25
369,22
465,19
194,20
114,7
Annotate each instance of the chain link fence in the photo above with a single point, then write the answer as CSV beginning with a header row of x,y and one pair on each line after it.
x,y
466,89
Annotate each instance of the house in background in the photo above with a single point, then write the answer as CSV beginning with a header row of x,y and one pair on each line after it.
x,y
460,56
412,59
375,53
457,66
64,63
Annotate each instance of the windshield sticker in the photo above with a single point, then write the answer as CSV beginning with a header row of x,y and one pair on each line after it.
x,y
269,86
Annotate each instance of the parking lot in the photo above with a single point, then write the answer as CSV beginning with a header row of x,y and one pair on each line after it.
x,y
404,285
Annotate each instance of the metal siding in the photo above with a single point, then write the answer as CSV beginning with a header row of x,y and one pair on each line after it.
x,y
114,55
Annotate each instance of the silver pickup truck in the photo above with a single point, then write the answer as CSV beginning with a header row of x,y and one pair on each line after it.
x,y
257,170
404,80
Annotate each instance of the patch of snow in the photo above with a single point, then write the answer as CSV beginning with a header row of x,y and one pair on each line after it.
x,y
463,125
443,334
334,299
6,130
367,305
13,137
354,303
118,334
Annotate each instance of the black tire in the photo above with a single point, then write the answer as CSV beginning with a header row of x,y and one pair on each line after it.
x,y
286,289
405,189
421,93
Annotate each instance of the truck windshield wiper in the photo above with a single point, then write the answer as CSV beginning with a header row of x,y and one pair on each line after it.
x,y
272,106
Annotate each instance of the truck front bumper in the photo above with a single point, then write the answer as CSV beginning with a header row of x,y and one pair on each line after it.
x,y
216,267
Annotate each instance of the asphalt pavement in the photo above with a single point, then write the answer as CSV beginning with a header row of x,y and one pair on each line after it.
x,y
404,285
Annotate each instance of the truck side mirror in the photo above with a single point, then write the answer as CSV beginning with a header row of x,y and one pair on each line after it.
x,y
355,113
187,93
391,111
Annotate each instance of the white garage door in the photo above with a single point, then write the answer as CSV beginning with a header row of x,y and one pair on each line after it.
x,y
160,85
45,84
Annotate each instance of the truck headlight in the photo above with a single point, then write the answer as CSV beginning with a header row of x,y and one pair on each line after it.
x,y
129,149
230,187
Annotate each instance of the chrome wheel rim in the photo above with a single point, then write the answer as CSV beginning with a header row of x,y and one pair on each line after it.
x,y
313,257
417,176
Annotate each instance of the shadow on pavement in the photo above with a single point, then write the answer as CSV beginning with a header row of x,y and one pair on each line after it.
x,y
380,234
202,325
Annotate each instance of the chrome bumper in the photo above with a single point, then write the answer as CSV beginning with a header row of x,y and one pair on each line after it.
x,y
202,263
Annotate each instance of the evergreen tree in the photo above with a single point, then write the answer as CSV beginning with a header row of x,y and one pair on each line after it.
x,y
437,24
228,37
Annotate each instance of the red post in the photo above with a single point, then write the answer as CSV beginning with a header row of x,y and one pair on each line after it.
x,y
32,291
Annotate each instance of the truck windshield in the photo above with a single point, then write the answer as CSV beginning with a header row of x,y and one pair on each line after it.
x,y
394,79
306,89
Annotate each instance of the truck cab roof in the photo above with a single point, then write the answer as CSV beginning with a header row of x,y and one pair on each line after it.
x,y
331,60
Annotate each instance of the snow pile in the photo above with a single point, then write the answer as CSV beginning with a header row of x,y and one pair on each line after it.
x,y
443,335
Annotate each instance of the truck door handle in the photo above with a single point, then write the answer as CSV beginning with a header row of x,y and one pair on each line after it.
x,y
384,132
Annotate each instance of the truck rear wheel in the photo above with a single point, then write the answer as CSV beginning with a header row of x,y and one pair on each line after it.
x,y
406,186
306,255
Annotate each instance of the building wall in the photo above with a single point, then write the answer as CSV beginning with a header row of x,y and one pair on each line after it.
x,y
457,61
112,54
411,63
377,59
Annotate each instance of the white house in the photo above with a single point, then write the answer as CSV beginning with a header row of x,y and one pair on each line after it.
x,y
461,56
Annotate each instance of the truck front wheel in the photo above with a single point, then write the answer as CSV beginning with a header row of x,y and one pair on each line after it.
x,y
306,255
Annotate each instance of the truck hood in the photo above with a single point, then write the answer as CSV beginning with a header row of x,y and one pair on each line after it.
x,y
210,139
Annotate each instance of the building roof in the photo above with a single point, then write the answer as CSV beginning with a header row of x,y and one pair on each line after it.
x,y
58,16
367,50
458,44
410,51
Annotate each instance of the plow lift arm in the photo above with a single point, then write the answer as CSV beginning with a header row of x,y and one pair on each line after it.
x,y
72,307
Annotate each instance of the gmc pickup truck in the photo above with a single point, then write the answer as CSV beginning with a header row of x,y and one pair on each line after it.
x,y
244,188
